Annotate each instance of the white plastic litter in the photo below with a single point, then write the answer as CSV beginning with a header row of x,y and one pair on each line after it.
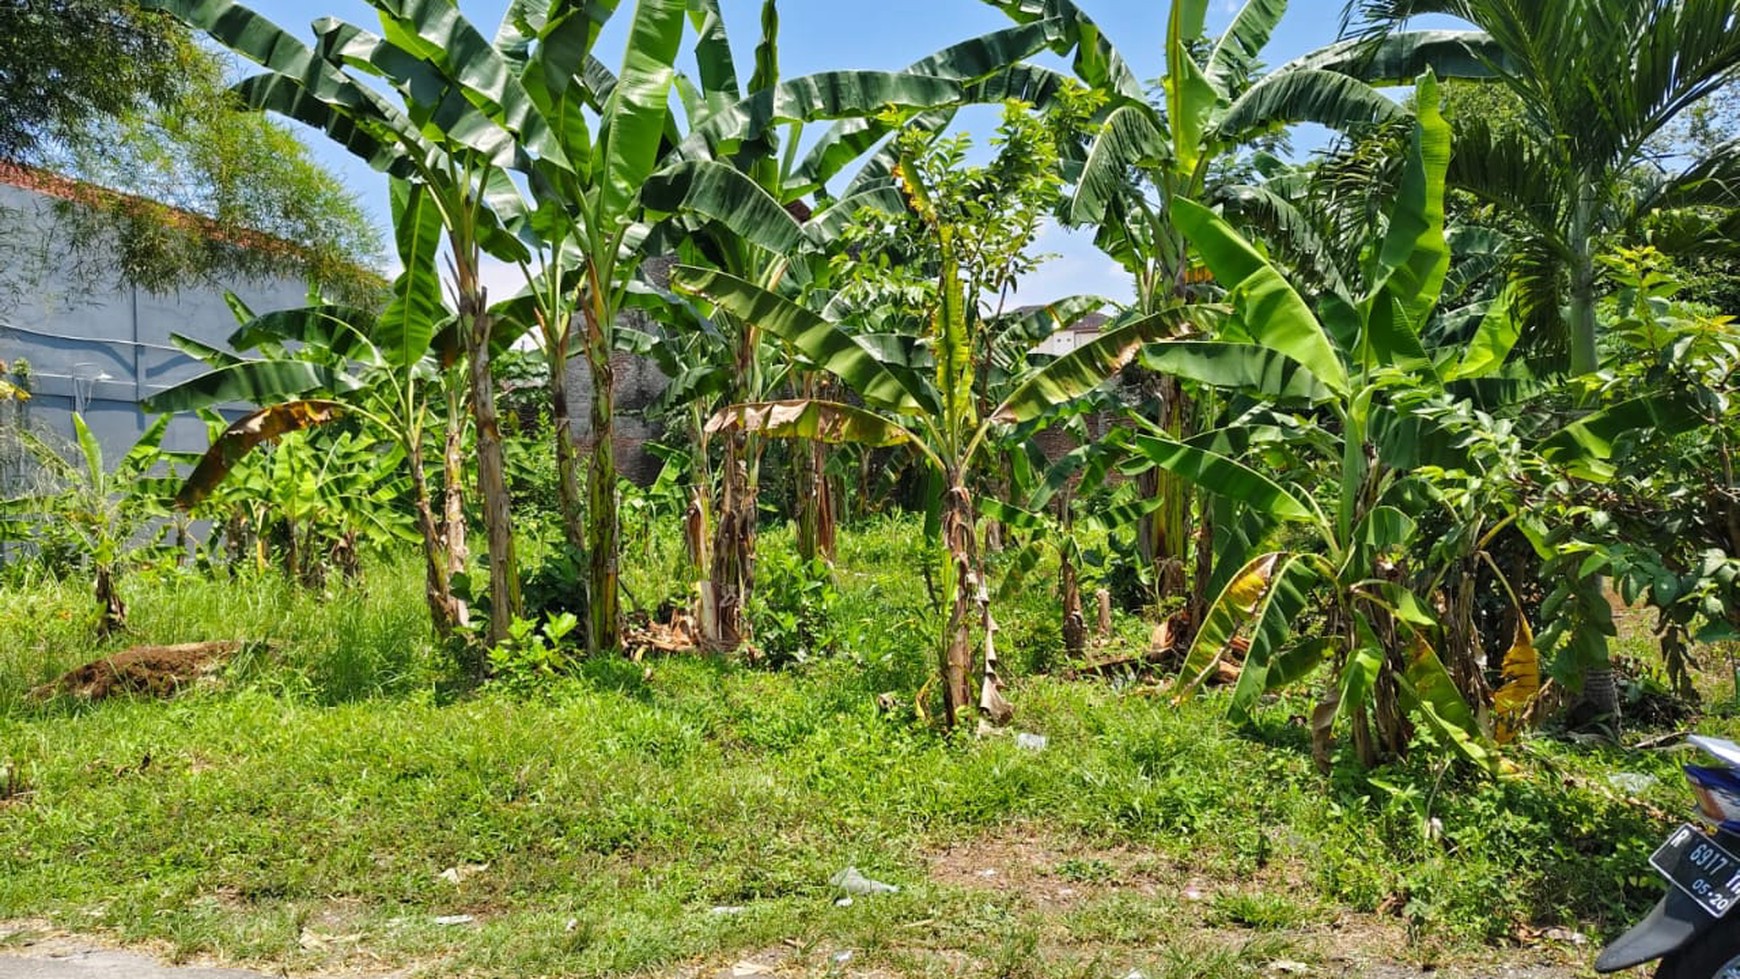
x,y
1631,782
1031,742
853,882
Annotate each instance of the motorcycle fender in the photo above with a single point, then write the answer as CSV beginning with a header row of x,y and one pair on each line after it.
x,y
1676,920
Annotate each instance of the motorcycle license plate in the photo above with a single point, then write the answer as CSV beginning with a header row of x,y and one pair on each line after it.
x,y
1694,863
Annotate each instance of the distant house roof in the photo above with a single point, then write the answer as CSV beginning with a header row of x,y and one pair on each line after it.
x,y
1068,339
61,187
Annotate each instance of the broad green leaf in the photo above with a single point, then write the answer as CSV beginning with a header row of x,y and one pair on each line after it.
x,y
766,74
437,31
1289,233
1399,57
1298,661
829,95
90,449
407,325
1095,61
634,118
1187,20
440,109
713,60
288,97
1238,54
203,352
1132,136
1404,604
145,452
1293,96
1090,365
1241,367
826,225
1190,100
251,381
824,343
1282,605
1220,475
1359,674
1276,316
1493,341
1593,439
722,193
976,58
821,421
336,331
1415,252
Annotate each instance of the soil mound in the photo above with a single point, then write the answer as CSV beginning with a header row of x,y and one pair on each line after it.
x,y
154,671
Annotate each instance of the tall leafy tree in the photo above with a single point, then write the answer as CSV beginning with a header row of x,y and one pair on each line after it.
x,y
112,95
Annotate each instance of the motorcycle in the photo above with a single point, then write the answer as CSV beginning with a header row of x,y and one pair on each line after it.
x,y
1691,930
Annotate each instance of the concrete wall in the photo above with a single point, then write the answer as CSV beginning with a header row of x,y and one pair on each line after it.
x,y
98,348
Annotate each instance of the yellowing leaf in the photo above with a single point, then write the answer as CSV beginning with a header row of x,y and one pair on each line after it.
x,y
1247,589
1522,685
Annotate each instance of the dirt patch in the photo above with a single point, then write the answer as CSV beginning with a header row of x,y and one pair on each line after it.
x,y
1047,874
154,671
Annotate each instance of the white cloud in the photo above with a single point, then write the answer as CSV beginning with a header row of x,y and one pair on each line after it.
x,y
1079,269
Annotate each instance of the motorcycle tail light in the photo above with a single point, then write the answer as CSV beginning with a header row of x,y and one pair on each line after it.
x,y
1718,793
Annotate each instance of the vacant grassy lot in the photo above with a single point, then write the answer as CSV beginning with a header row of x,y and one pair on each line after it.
x,y
329,801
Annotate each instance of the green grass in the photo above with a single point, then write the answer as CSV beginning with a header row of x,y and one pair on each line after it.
x,y
302,813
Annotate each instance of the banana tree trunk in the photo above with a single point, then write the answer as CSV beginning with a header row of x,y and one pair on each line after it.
x,y
957,663
1165,540
817,527
815,499
1464,653
437,579
567,459
731,572
111,610
504,579
1069,583
604,525
971,598
452,528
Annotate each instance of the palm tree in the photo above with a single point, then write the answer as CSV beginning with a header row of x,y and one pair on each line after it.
x,y
1595,82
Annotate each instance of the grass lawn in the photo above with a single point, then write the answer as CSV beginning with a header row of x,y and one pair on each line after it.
x,y
330,800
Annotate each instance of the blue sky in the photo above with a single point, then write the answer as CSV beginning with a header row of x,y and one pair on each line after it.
x,y
817,35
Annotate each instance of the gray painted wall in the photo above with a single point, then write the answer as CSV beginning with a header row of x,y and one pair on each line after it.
x,y
96,347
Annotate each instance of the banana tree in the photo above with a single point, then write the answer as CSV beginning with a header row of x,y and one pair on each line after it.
x,y
735,190
394,372
105,512
1375,630
1142,156
936,412
1352,566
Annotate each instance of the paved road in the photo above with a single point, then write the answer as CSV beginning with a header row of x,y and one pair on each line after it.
x,y
59,960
